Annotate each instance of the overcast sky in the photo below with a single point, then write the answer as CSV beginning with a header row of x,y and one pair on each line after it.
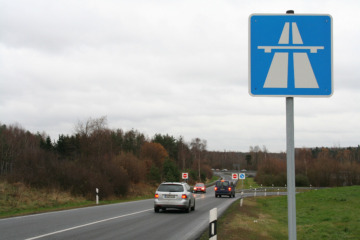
x,y
168,67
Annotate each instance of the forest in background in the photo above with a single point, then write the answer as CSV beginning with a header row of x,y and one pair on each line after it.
x,y
98,157
114,160
321,167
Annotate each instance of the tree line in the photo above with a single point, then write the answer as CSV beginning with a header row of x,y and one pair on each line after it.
x,y
321,167
114,160
98,157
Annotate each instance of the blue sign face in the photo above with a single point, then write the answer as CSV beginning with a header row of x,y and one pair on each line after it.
x,y
242,176
290,55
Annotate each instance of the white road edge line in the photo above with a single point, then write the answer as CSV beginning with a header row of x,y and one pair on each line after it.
x,y
88,224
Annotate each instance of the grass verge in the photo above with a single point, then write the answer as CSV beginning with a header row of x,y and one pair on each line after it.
x,y
247,184
18,199
213,179
329,214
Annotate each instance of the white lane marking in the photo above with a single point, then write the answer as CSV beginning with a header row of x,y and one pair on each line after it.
x,y
88,224
70,210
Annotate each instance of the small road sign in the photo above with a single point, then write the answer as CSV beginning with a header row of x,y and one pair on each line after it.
x,y
185,175
290,55
234,176
242,176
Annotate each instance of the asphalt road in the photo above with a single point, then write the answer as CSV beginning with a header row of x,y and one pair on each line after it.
x,y
132,220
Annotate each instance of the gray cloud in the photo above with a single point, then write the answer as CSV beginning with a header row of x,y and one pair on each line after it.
x,y
176,67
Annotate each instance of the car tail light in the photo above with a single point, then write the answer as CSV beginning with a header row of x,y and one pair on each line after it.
x,y
156,195
229,188
184,196
215,188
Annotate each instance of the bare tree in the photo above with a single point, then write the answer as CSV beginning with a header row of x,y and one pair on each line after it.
x,y
198,146
91,126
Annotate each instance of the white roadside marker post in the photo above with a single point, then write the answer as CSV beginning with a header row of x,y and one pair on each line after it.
x,y
213,224
242,198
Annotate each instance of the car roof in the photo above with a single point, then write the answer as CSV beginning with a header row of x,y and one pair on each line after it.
x,y
178,183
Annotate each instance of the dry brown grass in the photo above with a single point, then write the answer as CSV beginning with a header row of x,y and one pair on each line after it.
x,y
17,197
246,219
141,189
244,223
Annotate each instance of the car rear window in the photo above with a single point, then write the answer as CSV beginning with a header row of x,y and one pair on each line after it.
x,y
223,184
170,188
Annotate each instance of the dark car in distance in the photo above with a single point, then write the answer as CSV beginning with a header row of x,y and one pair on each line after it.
x,y
224,187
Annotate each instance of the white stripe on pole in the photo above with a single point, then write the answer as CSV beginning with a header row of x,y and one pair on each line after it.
x,y
213,215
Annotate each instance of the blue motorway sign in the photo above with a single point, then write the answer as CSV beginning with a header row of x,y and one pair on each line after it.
x,y
290,55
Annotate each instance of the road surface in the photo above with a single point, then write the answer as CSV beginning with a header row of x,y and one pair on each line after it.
x,y
131,220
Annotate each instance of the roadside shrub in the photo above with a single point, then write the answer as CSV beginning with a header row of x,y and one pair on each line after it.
x,y
203,177
265,179
117,178
301,180
135,168
269,180
193,176
108,176
154,175
207,172
171,172
280,179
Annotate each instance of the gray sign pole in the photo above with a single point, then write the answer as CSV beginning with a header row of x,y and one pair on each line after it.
x,y
290,160
290,164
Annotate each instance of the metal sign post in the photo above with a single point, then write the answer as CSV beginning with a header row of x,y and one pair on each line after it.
x,y
290,164
242,177
290,56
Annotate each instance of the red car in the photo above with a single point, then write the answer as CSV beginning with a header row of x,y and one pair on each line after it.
x,y
200,187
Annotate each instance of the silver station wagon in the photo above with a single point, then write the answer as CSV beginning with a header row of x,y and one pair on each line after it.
x,y
174,195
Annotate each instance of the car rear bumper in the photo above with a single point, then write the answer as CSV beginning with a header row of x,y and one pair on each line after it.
x,y
223,193
180,204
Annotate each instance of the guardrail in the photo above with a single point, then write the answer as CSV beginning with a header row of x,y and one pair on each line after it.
x,y
275,189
